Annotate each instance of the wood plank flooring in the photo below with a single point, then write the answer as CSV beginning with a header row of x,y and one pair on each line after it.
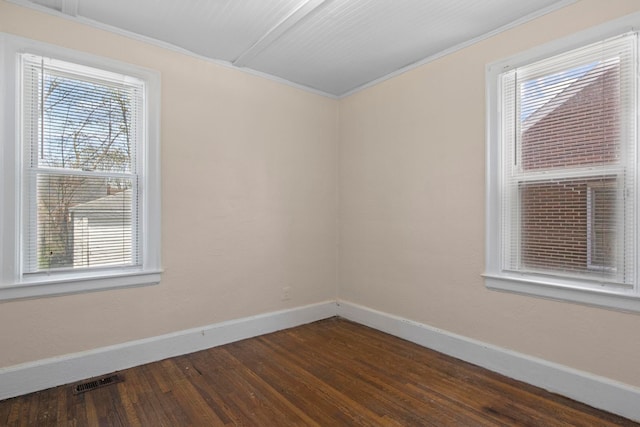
x,y
329,373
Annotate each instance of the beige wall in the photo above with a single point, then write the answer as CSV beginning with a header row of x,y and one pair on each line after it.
x,y
250,177
412,209
249,203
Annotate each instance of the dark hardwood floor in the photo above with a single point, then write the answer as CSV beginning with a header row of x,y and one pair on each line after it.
x,y
328,373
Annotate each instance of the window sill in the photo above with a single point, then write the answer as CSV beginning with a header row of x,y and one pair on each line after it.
x,y
618,300
38,288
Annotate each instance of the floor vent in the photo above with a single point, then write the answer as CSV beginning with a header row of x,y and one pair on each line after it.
x,y
97,383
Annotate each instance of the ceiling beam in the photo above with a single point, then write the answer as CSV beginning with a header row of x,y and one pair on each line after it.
x,y
304,10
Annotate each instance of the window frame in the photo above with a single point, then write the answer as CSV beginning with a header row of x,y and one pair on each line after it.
x,y
14,284
549,287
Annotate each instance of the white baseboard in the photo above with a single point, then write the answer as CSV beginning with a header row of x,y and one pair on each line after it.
x,y
599,392
42,374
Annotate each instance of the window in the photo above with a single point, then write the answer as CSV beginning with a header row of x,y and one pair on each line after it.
x,y
562,155
81,194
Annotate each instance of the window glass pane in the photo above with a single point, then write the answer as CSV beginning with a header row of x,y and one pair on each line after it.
x,y
85,125
563,229
570,118
83,222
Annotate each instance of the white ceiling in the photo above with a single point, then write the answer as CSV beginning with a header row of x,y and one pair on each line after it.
x,y
330,46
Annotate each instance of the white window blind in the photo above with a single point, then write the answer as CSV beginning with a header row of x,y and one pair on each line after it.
x,y
568,129
82,133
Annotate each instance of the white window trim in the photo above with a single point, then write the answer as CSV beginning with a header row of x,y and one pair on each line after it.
x,y
539,286
14,285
